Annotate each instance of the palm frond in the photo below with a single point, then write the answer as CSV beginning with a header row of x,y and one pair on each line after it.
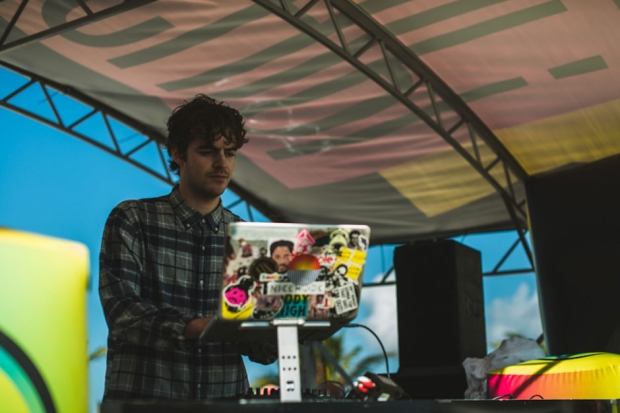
x,y
367,362
265,380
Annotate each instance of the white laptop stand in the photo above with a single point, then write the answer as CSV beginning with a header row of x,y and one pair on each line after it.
x,y
288,353
288,359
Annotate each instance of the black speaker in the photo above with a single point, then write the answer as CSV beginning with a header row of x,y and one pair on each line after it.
x,y
575,226
440,316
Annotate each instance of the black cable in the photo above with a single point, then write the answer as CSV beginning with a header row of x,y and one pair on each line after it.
x,y
333,382
387,366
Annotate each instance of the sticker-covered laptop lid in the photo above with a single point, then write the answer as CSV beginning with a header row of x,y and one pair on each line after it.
x,y
294,271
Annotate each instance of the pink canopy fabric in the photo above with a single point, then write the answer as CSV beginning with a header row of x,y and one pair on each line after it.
x,y
328,144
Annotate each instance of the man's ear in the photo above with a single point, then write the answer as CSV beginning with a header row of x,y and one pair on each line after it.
x,y
177,156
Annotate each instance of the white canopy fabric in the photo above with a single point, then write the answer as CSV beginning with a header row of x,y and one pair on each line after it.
x,y
421,118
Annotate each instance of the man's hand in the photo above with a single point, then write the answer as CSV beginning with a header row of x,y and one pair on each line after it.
x,y
196,326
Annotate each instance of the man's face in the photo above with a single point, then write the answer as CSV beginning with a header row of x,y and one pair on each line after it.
x,y
207,168
354,238
282,255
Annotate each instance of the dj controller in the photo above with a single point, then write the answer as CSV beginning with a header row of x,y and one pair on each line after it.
x,y
321,394
325,404
369,394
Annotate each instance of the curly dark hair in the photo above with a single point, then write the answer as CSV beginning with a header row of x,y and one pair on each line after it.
x,y
281,243
205,118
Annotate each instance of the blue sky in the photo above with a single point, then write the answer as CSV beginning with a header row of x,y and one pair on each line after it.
x,y
57,185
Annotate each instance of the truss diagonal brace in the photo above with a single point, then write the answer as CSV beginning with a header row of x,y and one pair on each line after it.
x,y
74,24
511,210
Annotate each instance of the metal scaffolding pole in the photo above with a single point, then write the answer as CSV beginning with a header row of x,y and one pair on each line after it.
x,y
90,17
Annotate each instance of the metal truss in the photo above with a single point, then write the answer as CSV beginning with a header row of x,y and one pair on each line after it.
x,y
394,50
496,271
520,240
88,18
50,88
128,153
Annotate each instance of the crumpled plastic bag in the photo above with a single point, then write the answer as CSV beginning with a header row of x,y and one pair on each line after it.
x,y
512,351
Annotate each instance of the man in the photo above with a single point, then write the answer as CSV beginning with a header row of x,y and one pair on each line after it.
x,y
281,253
161,267
354,239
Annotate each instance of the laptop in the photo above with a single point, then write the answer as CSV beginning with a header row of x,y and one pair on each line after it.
x,y
307,275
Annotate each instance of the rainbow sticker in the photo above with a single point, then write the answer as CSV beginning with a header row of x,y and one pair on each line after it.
x,y
304,269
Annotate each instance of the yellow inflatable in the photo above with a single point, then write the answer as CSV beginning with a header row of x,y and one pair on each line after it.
x,y
43,351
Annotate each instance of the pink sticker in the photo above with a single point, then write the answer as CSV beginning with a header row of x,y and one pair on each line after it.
x,y
236,296
303,242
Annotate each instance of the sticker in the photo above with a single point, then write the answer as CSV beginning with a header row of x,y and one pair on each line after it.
x,y
281,252
304,242
304,269
266,307
353,260
345,299
363,243
283,288
353,239
327,260
294,306
335,280
325,302
238,267
239,294
262,265
269,277
357,241
246,251
242,314
341,270
319,306
339,238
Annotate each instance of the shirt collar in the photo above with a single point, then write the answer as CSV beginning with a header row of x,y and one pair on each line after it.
x,y
189,216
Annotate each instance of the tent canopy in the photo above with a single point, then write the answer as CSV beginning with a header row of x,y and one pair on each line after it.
x,y
420,118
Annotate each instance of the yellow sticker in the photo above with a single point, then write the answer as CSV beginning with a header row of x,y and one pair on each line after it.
x,y
352,260
244,313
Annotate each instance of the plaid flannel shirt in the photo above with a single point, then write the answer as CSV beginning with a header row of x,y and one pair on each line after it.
x,y
160,267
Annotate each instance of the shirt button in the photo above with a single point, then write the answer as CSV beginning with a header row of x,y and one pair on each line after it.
x,y
203,221
216,229
198,385
201,282
200,351
187,225
199,314
203,247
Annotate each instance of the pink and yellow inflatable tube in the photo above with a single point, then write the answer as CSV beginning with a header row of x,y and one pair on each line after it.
x,y
579,376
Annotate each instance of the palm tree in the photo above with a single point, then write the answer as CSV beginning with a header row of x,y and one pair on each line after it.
x,y
97,353
326,371
271,379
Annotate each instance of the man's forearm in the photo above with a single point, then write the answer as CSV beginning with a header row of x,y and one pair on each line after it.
x,y
195,327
